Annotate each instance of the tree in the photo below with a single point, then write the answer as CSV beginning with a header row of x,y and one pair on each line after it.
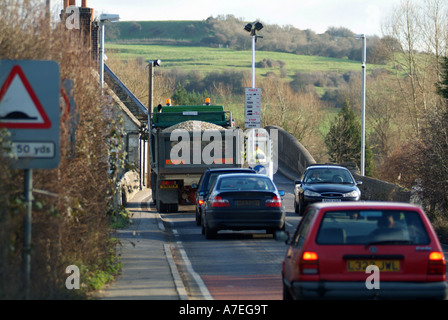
x,y
442,85
433,154
343,141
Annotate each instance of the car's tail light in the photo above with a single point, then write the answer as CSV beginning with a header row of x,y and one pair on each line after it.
x,y
219,202
275,202
309,263
436,263
200,202
167,183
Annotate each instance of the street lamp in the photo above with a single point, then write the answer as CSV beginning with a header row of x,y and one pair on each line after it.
x,y
363,111
151,64
104,18
253,28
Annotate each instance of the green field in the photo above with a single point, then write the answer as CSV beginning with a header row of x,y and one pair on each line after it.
x,y
207,59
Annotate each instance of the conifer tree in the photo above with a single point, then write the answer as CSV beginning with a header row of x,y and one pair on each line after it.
x,y
343,141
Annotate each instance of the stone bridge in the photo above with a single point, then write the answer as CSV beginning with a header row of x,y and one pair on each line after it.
x,y
294,158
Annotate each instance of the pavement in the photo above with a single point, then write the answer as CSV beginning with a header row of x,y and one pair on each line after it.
x,y
148,272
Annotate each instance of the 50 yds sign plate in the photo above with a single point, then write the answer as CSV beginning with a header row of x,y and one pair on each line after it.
x,y
41,150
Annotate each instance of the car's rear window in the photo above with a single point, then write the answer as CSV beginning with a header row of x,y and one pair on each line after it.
x,y
372,227
257,182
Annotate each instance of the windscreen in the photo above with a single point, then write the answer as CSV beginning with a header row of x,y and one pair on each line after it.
x,y
372,227
331,175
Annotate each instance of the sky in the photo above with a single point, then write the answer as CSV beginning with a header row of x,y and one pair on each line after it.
x,y
359,16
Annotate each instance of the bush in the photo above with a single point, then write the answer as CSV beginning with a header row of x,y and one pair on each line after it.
x,y
70,227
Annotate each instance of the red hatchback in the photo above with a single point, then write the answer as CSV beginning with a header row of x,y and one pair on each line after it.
x,y
364,250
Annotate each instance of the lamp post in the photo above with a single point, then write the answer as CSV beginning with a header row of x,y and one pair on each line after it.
x,y
253,28
104,18
151,64
363,111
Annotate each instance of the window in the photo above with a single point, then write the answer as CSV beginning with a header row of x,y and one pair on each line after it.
x,y
256,183
368,227
331,175
302,230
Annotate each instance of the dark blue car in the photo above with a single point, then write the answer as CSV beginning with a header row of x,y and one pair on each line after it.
x,y
243,202
325,183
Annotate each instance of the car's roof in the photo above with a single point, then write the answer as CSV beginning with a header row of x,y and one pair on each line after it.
x,y
365,205
242,175
230,169
325,166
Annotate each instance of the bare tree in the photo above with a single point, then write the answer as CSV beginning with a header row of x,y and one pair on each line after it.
x,y
421,32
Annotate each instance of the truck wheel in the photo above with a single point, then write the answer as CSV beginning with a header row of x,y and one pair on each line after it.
x,y
161,207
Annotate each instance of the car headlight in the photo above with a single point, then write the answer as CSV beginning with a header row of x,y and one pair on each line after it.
x,y
352,194
309,193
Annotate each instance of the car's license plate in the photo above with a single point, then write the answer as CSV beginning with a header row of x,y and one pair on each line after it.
x,y
331,200
383,265
170,186
248,203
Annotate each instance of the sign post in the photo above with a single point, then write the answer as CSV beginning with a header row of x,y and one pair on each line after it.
x,y
252,108
29,109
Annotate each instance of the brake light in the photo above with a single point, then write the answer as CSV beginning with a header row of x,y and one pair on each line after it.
x,y
167,183
219,202
275,202
309,263
310,256
436,263
200,202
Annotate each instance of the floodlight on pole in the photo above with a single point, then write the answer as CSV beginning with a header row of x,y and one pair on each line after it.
x,y
104,18
363,111
253,28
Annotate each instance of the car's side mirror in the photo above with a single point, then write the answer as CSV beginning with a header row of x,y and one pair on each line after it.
x,y
298,181
358,183
281,193
194,186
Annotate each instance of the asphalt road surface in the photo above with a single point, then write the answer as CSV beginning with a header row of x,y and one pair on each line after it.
x,y
242,265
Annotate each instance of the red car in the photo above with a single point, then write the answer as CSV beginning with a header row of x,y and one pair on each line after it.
x,y
364,250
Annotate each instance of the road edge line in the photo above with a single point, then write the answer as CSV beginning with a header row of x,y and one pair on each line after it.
x,y
202,287
180,288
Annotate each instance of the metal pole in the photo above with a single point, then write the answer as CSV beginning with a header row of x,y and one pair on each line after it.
x,y
254,37
150,108
28,191
363,113
101,56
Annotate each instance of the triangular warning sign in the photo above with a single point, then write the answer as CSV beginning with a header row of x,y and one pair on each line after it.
x,y
19,106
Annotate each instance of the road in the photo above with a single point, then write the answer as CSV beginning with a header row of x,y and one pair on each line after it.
x,y
243,265
166,257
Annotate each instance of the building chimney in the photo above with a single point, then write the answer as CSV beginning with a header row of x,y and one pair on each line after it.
x,y
88,28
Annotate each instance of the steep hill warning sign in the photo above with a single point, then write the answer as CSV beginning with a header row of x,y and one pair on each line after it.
x,y
29,109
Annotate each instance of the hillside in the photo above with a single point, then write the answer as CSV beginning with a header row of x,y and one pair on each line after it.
x,y
228,32
190,32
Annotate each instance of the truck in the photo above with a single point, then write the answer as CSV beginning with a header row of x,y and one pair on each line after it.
x,y
184,142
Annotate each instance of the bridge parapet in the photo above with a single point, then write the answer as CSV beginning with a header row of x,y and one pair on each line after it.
x,y
294,158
